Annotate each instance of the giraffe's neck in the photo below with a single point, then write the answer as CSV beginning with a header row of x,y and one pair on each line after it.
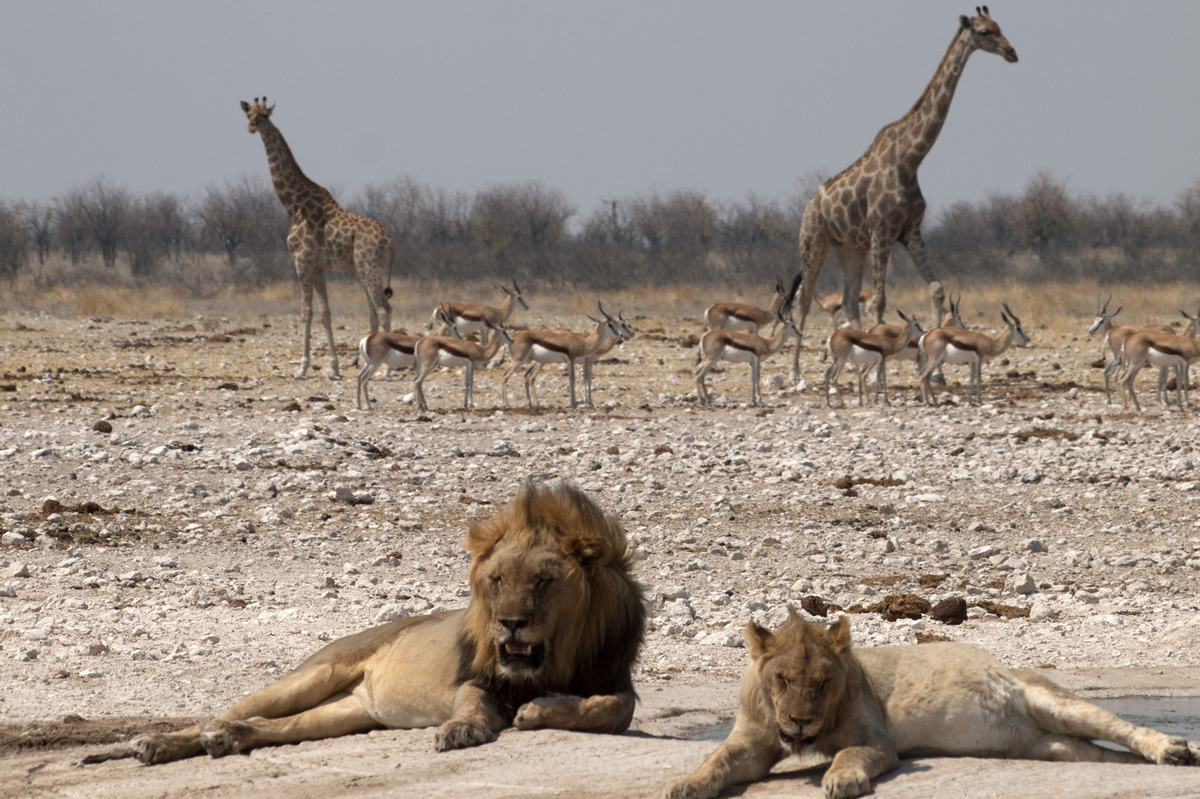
x,y
297,193
919,128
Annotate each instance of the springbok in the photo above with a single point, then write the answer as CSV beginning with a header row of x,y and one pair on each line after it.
x,y
1164,350
473,318
555,346
832,303
434,351
952,318
738,347
626,335
396,350
869,350
1114,339
749,318
953,345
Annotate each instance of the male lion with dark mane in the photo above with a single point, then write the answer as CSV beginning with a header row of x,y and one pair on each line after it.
x,y
552,630
805,689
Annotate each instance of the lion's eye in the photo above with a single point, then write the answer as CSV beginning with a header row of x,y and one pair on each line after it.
x,y
496,579
543,582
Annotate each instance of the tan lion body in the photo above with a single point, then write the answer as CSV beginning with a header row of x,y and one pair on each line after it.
x,y
553,628
805,689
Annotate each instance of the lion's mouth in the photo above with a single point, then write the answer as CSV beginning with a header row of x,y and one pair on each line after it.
x,y
519,653
795,738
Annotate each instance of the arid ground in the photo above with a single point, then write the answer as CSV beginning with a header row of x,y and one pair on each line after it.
x,y
183,521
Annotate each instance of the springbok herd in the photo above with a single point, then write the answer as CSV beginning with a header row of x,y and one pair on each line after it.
x,y
733,336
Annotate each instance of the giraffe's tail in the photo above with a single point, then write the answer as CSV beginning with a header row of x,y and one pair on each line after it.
x,y
387,292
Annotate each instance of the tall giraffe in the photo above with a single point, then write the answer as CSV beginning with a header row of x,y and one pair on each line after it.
x,y
876,202
324,236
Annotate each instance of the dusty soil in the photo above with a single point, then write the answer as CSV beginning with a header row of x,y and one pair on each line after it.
x,y
167,564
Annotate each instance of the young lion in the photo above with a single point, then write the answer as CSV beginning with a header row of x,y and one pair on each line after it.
x,y
867,708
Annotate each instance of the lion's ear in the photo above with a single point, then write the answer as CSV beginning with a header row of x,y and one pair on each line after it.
x,y
589,551
480,538
838,635
760,640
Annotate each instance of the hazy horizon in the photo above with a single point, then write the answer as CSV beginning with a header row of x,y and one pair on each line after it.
x,y
600,102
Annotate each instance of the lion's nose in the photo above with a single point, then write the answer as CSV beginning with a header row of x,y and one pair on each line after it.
x,y
513,624
801,723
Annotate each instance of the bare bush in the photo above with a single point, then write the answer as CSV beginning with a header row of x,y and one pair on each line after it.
x,y
13,254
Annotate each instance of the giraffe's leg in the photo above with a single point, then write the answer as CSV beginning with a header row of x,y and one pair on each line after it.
x,y
852,259
305,276
881,254
470,385
937,294
920,257
814,246
327,321
571,381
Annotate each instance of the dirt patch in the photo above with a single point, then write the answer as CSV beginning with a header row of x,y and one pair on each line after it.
x,y
74,730
1007,611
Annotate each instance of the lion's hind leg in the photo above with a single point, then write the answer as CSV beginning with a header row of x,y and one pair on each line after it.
x,y
340,716
154,748
1062,714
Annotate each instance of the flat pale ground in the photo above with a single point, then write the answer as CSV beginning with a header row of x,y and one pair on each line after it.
x,y
658,749
666,741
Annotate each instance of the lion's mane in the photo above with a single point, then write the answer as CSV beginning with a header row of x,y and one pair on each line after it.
x,y
597,637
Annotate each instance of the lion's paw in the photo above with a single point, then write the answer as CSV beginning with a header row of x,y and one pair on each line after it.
x,y
545,711
1175,752
461,735
219,739
688,789
845,783
148,749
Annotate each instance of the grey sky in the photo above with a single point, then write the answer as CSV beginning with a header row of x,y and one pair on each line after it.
x,y
600,100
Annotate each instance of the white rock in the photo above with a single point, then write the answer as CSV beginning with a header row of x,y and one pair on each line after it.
x,y
16,570
1020,583
11,539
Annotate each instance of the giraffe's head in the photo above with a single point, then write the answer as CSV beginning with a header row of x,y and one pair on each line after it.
x,y
258,114
985,34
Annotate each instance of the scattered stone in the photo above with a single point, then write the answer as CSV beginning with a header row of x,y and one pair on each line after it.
x,y
1020,583
16,570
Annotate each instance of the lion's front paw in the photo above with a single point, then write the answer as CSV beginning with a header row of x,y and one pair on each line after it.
x,y
689,789
845,783
545,711
462,734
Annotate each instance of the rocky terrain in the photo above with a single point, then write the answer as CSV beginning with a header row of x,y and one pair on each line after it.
x,y
183,522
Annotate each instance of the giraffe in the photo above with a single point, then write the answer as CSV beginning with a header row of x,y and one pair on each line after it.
x,y
876,201
324,236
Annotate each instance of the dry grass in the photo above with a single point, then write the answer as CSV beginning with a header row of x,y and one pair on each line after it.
x,y
1056,307
155,302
